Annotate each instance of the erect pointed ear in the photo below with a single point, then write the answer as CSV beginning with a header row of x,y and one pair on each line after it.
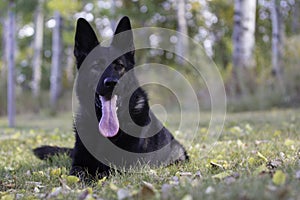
x,y
124,40
85,40
123,25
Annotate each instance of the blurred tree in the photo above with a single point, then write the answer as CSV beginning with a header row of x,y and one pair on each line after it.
x,y
208,22
3,46
296,17
37,47
70,63
10,52
243,42
3,61
55,77
182,43
277,40
62,9
222,32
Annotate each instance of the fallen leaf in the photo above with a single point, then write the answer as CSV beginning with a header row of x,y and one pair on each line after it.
x,y
185,174
55,172
123,194
152,172
248,127
262,156
9,169
277,133
282,155
236,129
101,181
72,179
209,190
251,161
216,165
55,191
240,143
8,197
28,173
39,173
39,184
198,175
289,142
113,186
147,190
279,178
175,180
36,190
273,164
187,197
222,175
258,142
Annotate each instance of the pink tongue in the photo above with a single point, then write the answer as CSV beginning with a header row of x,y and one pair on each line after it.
x,y
109,123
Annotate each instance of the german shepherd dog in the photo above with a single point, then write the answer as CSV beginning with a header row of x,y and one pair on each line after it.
x,y
109,108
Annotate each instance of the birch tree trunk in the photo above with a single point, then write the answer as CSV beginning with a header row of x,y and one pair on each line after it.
x,y
55,77
3,71
296,17
243,33
182,43
277,41
10,52
4,23
243,41
113,13
70,65
37,46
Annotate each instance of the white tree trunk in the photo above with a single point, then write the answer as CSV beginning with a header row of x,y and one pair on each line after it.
x,y
113,13
182,43
37,47
243,33
275,18
4,44
55,77
10,52
70,65
277,42
296,17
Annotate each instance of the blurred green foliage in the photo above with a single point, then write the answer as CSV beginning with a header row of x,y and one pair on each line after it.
x,y
209,22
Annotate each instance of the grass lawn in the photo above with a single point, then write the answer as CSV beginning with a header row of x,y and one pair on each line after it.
x,y
256,157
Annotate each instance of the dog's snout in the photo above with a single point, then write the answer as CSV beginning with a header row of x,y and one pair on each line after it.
x,y
110,82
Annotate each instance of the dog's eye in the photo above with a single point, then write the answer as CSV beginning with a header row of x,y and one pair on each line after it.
x,y
119,67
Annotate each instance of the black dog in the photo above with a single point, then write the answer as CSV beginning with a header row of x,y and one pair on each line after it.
x,y
110,110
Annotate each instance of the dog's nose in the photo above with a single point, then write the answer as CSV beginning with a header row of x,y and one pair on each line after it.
x,y
110,82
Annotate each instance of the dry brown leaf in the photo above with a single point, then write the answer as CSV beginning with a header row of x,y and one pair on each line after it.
x,y
147,191
216,165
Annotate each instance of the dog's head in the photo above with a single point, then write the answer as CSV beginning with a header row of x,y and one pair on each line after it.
x,y
105,97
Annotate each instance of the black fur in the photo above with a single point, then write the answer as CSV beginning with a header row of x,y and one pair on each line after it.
x,y
85,42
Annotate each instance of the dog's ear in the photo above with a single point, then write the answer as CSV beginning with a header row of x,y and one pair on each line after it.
x,y
124,40
85,40
123,25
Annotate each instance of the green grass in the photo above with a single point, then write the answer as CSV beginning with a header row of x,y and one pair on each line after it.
x,y
241,165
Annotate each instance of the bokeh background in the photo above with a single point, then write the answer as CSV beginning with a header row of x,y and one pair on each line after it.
x,y
255,45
